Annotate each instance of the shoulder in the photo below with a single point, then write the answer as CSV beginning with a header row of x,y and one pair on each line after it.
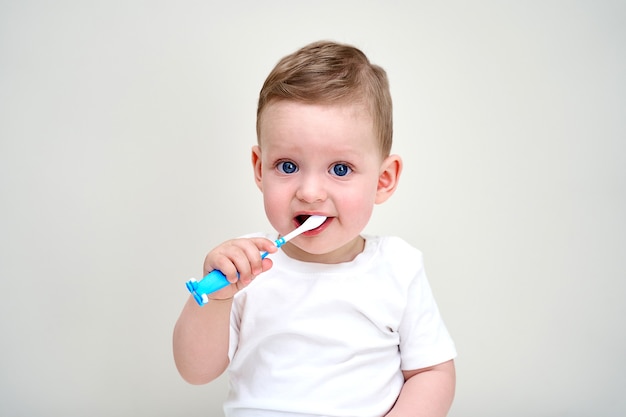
x,y
394,256
395,249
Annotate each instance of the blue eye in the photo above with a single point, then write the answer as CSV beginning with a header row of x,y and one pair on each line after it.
x,y
341,170
287,167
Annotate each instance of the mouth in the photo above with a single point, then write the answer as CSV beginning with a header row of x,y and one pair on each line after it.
x,y
301,218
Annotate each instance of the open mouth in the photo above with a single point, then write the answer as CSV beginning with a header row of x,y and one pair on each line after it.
x,y
301,219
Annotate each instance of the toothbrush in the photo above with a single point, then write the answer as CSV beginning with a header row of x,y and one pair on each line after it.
x,y
215,280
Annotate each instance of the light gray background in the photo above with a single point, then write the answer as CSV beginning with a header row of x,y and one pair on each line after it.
x,y
125,130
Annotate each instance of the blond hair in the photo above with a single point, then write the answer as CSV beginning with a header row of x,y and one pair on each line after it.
x,y
327,73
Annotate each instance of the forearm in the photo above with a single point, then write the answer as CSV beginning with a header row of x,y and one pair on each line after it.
x,y
200,341
426,393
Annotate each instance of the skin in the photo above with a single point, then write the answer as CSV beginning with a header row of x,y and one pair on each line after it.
x,y
312,159
321,143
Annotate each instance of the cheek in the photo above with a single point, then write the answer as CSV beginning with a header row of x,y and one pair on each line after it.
x,y
275,201
357,206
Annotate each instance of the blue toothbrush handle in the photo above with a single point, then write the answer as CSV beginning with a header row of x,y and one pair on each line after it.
x,y
215,281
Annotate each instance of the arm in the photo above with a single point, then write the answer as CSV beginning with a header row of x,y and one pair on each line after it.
x,y
427,392
201,340
201,334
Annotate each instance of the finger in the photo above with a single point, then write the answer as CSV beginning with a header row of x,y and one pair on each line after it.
x,y
267,264
246,258
254,265
222,262
251,264
226,267
265,245
240,259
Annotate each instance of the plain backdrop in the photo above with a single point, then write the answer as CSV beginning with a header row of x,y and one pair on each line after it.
x,y
125,136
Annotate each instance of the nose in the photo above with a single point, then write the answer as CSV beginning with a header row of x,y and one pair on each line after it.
x,y
311,189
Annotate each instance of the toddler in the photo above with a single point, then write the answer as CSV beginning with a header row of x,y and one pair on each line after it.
x,y
336,323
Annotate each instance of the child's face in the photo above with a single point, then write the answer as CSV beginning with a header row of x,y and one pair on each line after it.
x,y
320,159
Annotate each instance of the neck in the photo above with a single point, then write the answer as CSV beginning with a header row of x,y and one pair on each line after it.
x,y
345,253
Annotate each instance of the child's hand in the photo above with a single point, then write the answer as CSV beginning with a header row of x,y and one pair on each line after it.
x,y
241,256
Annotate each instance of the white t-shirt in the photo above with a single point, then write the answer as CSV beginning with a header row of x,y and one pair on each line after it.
x,y
312,339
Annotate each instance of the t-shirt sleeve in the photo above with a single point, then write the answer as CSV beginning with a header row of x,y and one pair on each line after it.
x,y
424,338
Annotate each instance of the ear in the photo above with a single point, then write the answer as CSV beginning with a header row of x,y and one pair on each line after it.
x,y
257,166
388,179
